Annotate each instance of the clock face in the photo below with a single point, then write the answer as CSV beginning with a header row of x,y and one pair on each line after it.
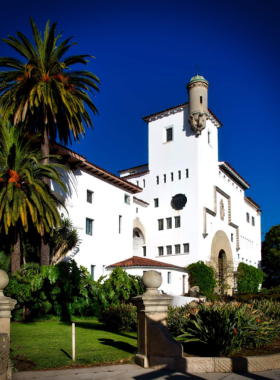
x,y
178,202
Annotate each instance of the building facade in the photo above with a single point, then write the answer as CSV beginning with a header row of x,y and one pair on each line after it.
x,y
181,207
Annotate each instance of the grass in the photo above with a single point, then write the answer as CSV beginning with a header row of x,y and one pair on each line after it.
x,y
49,345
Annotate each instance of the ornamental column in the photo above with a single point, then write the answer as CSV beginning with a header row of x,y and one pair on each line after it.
x,y
7,304
156,348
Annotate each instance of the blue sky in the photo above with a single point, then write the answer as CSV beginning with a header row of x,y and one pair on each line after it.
x,y
146,52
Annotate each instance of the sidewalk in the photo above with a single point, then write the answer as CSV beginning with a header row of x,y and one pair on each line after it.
x,y
133,371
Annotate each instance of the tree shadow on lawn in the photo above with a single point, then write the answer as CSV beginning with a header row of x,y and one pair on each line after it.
x,y
100,327
119,345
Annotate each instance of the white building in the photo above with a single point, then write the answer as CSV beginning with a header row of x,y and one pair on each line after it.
x,y
181,207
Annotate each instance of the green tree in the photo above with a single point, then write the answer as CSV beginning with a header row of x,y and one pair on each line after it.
x,y
43,92
271,257
64,239
249,278
203,276
24,198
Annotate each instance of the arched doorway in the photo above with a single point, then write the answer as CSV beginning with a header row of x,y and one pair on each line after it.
x,y
138,242
222,267
222,261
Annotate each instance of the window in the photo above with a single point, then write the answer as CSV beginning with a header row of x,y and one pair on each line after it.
x,y
253,220
160,251
136,210
169,249
157,180
171,176
242,258
186,248
89,223
144,251
89,196
120,224
177,249
160,224
248,217
144,183
137,183
179,174
126,199
168,223
169,277
187,173
201,100
156,202
231,237
169,134
92,271
238,256
177,221
164,178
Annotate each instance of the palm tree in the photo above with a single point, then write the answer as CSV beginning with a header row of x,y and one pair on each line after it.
x,y
44,92
23,195
64,239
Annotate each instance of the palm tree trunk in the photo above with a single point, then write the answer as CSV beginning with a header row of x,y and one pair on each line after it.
x,y
15,255
45,151
45,253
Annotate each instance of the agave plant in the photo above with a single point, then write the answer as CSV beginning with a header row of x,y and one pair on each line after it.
x,y
229,328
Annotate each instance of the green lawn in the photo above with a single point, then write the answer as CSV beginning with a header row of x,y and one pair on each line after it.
x,y
48,344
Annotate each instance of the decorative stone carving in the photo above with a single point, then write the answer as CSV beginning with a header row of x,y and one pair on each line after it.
x,y
197,122
222,210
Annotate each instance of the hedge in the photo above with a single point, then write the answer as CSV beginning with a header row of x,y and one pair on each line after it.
x,y
203,276
249,278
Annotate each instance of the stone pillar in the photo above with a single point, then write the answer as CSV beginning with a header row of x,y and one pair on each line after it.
x,y
156,348
7,304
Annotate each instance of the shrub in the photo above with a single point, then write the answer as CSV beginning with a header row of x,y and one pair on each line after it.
x,y
62,290
228,328
176,321
118,288
122,317
249,278
203,276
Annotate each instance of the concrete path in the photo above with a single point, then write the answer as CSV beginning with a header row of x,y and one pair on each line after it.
x,y
132,371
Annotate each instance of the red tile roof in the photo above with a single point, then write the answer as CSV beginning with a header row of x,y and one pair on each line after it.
x,y
231,168
73,157
134,167
146,118
136,261
251,201
140,200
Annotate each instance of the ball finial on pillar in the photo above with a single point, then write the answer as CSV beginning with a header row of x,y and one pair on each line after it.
x,y
152,280
4,281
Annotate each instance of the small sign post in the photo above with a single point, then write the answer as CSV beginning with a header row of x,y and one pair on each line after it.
x,y
73,342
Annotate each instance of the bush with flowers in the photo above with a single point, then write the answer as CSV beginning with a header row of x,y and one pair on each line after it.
x,y
121,317
227,328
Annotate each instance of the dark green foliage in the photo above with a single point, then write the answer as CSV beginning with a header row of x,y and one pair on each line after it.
x,y
119,287
249,278
226,329
271,257
176,318
63,290
122,317
203,276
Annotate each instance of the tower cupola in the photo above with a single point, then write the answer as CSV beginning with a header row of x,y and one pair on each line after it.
x,y
198,103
